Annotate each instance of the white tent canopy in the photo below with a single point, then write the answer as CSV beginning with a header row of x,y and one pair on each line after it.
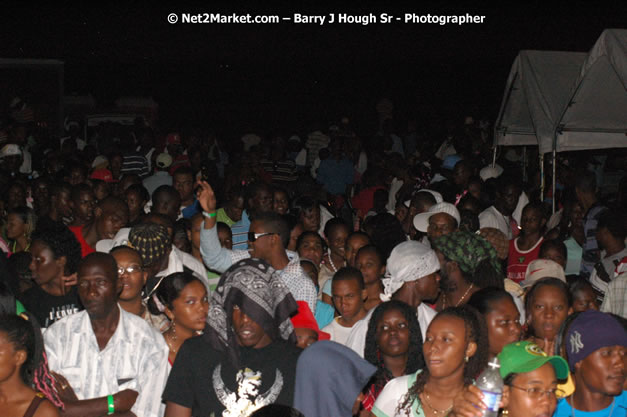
x,y
536,95
567,101
596,114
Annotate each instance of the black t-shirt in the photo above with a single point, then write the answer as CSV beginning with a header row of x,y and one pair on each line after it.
x,y
48,308
204,380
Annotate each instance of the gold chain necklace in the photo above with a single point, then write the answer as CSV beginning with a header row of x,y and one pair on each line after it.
x,y
167,340
435,410
460,300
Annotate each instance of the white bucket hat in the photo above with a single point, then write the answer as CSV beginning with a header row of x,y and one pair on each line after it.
x,y
421,221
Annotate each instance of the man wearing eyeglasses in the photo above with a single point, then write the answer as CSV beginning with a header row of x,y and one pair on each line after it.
x,y
268,237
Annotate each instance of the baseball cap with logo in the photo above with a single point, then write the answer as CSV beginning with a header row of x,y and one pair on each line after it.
x,y
592,330
421,221
542,268
522,357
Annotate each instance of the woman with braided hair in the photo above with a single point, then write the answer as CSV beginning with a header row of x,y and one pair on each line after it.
x,y
393,345
455,351
26,386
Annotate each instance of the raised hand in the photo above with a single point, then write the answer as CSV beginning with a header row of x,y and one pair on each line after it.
x,y
206,197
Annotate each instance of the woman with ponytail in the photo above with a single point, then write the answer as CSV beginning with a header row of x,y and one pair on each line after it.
x,y
26,385
183,299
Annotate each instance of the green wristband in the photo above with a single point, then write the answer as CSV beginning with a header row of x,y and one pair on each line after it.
x,y
209,215
110,405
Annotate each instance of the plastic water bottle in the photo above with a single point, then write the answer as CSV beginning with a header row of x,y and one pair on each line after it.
x,y
491,384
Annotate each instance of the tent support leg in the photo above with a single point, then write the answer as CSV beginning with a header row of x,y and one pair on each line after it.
x,y
554,180
542,177
494,158
524,163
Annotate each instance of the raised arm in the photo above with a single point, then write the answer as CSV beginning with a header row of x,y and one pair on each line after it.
x,y
213,254
207,199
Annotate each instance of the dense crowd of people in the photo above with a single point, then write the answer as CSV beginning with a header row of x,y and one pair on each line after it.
x,y
322,274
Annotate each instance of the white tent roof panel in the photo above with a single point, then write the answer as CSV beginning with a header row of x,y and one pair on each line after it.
x,y
535,96
596,116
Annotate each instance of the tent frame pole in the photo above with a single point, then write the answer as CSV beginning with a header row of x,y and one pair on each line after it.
x,y
525,163
554,181
542,177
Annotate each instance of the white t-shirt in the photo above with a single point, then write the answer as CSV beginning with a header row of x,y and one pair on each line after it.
x,y
339,333
393,394
357,338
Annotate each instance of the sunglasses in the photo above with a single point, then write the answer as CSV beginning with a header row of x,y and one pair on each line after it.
x,y
129,269
252,237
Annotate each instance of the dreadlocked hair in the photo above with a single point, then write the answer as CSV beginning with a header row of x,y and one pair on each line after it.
x,y
415,360
476,331
24,333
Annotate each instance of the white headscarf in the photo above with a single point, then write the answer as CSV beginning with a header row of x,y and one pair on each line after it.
x,y
409,261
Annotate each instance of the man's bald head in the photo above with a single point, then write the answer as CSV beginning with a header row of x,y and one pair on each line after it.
x,y
103,260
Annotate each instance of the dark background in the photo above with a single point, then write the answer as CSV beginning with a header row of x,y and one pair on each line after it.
x,y
284,77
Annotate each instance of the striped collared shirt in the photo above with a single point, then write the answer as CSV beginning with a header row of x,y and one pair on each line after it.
x,y
136,358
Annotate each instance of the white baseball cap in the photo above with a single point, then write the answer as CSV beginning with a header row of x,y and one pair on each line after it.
x,y
421,221
542,268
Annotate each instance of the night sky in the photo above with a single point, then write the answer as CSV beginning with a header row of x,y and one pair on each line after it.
x,y
287,76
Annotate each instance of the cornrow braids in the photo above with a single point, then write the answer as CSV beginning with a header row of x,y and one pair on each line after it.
x,y
476,331
44,382
24,333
